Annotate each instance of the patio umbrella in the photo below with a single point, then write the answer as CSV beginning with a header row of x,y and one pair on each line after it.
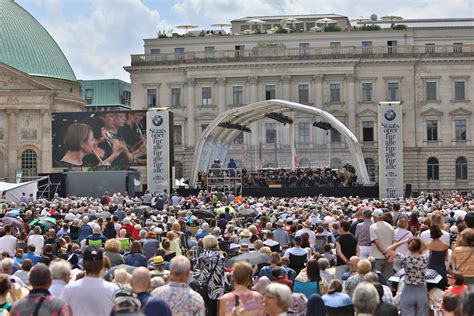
x,y
256,22
248,212
14,222
326,21
221,24
315,29
186,26
251,257
44,222
360,20
204,213
222,210
391,18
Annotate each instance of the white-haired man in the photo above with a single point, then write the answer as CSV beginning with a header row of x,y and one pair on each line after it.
x,y
61,274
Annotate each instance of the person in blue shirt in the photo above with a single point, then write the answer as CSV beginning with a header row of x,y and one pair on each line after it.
x,y
96,238
31,255
23,198
335,298
203,232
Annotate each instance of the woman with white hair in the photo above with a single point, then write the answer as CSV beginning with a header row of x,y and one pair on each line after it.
x,y
277,299
366,299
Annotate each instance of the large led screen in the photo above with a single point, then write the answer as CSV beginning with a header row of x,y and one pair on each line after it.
x,y
90,139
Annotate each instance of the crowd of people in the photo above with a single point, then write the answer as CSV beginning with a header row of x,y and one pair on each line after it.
x,y
212,254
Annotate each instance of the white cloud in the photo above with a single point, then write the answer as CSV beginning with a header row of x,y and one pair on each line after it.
x,y
98,42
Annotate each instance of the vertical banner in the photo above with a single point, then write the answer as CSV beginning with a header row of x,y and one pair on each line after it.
x,y
159,150
390,150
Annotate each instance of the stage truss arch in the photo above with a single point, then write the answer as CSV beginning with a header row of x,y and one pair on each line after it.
x,y
215,141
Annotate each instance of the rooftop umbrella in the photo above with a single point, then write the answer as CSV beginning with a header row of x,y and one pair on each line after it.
x,y
186,26
251,257
391,18
315,29
326,21
256,21
221,24
360,20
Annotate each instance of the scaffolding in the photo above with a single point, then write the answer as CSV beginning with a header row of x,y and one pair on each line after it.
x,y
224,180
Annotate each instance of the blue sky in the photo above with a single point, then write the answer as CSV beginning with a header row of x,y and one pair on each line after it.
x,y
98,36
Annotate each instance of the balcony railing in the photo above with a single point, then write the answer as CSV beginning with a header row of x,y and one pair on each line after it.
x,y
273,53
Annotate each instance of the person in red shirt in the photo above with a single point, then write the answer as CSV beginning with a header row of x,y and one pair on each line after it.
x,y
128,226
280,277
458,287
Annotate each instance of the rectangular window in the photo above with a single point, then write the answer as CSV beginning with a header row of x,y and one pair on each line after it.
x,y
270,92
178,134
206,96
303,94
392,47
155,51
239,140
460,129
367,92
125,97
459,91
335,136
335,92
392,89
175,96
299,27
270,133
237,95
179,51
151,98
244,27
304,132
266,27
432,131
239,50
88,95
335,48
368,131
431,91
304,49
366,47
457,47
430,48
209,51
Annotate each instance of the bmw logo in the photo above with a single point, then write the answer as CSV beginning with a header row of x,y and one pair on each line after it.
x,y
157,120
390,115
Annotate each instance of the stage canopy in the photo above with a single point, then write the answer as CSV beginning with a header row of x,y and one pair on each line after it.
x,y
215,141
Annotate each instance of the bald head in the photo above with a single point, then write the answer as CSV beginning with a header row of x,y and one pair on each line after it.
x,y
140,280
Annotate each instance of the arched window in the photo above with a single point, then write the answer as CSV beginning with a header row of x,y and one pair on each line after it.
x,y
433,169
29,163
178,169
370,165
304,163
461,168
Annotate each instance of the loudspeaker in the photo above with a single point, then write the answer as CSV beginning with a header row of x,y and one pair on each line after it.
x,y
407,190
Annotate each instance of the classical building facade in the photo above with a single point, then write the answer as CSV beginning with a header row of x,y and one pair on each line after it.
x,y
35,81
428,69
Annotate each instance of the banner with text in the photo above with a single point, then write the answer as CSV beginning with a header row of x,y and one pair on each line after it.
x,y
160,150
390,150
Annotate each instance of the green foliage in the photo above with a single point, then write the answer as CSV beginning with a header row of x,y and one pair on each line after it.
x,y
372,27
280,29
165,33
332,28
202,33
400,27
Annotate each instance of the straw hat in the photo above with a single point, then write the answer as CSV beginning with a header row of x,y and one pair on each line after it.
x,y
246,233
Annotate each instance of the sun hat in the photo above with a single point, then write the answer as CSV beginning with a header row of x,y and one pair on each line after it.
x,y
158,260
246,233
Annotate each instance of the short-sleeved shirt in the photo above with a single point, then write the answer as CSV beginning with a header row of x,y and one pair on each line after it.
x,y
348,244
415,268
383,232
363,233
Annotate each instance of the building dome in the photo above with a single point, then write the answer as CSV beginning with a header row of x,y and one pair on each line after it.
x,y
27,46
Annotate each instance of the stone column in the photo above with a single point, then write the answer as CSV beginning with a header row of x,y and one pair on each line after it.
x,y
255,127
221,104
12,142
319,103
351,103
286,88
46,146
191,114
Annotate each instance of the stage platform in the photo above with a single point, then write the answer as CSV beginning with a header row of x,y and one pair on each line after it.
x,y
361,191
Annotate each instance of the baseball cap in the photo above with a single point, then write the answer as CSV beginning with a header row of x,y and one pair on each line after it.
x,y
92,253
377,213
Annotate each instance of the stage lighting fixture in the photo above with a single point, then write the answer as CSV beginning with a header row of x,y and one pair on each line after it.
x,y
236,126
322,125
280,118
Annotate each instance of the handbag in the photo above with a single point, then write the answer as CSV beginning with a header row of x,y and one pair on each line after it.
x,y
202,288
